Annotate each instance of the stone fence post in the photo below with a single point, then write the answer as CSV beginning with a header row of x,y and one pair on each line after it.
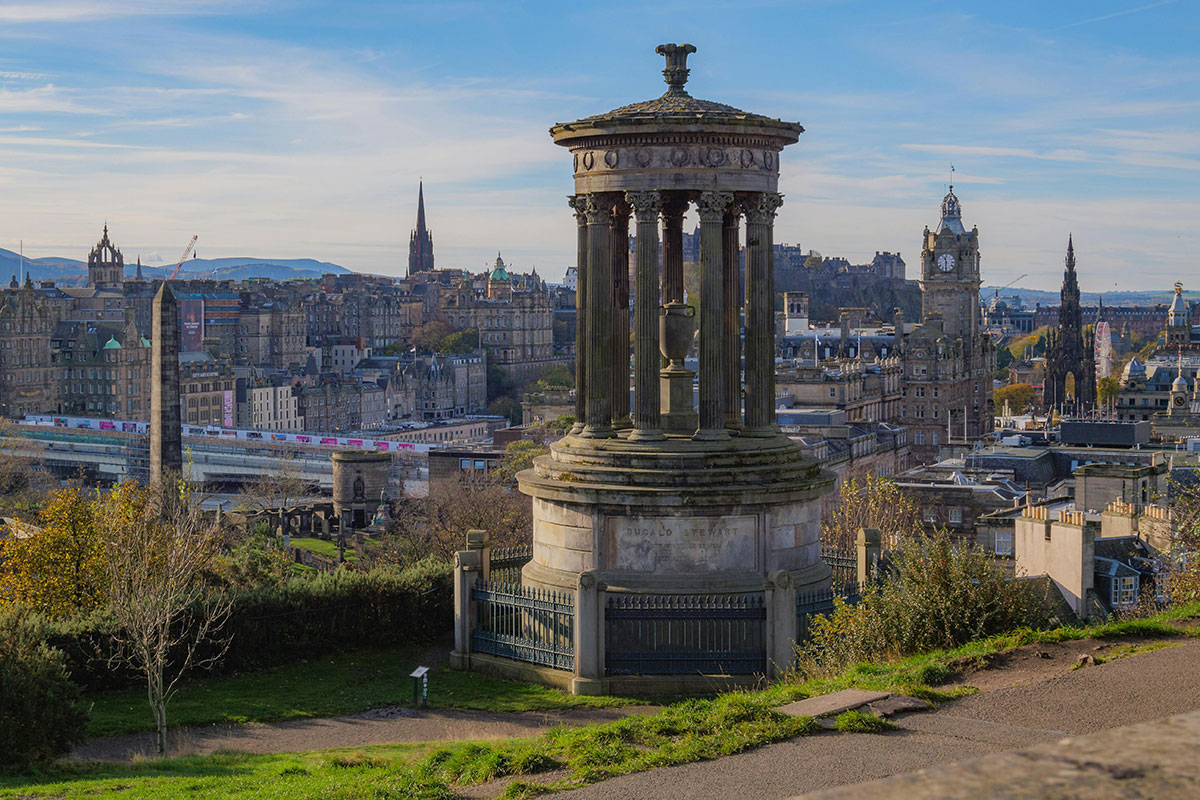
x,y
780,597
467,564
480,542
869,546
589,635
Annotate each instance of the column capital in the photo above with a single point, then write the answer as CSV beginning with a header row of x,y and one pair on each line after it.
x,y
598,209
578,204
712,205
760,208
674,204
646,205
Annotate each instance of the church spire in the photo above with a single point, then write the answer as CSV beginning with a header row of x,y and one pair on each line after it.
x,y
1070,253
420,243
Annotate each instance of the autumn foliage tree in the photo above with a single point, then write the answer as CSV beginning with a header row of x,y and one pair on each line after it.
x,y
58,570
870,502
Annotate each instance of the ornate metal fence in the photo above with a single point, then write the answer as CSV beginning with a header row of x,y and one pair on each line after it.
x,y
524,624
685,634
820,601
506,563
844,564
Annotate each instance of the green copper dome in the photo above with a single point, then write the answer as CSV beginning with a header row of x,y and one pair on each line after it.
x,y
499,273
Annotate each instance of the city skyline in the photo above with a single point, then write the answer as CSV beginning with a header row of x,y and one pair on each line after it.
x,y
271,130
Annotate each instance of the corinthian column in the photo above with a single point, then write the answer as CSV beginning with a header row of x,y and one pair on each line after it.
x,y
731,327
579,206
646,206
674,206
760,314
597,422
620,316
713,206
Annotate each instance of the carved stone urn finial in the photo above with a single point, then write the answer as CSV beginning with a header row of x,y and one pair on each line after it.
x,y
676,73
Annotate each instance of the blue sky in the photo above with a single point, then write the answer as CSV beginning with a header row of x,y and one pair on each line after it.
x,y
293,129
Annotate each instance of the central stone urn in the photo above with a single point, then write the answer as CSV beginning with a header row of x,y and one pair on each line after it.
x,y
671,496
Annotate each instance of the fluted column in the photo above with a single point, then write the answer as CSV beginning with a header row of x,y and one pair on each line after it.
x,y
712,207
598,419
620,315
731,327
646,395
579,206
760,314
674,206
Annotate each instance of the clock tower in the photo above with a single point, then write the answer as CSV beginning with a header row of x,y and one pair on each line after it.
x,y
950,273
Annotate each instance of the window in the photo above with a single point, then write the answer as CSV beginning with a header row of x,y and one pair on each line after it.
x,y
955,511
1124,591
1004,543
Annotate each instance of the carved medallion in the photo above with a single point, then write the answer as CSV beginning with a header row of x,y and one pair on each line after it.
x,y
715,156
589,159
747,159
643,158
679,157
576,167
612,158
768,159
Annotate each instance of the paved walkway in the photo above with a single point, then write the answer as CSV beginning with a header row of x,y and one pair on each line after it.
x,y
381,726
1141,688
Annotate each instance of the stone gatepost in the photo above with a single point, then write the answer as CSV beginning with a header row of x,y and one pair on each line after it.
x,y
480,542
780,591
869,545
589,635
467,564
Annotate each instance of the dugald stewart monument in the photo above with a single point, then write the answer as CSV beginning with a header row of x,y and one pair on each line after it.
x,y
672,499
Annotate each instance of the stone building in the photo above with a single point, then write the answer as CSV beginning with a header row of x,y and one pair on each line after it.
x,y
103,369
207,390
106,265
275,404
948,360
29,381
868,391
271,334
513,315
1068,351
447,386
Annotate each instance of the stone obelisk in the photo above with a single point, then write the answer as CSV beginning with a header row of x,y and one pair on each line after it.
x,y
166,441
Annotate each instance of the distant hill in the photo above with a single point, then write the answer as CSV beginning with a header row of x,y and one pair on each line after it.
x,y
1032,296
68,271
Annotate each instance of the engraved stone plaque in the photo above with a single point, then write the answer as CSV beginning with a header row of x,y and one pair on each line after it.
x,y
674,544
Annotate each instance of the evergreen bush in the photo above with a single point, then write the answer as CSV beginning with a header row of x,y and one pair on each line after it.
x,y
40,712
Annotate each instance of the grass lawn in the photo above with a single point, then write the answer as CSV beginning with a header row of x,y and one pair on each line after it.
x,y
322,547
686,731
327,686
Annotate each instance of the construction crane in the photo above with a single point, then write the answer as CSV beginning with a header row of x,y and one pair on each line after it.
x,y
1011,283
183,257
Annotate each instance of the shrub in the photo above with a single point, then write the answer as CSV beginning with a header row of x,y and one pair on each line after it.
x,y
939,594
299,618
39,704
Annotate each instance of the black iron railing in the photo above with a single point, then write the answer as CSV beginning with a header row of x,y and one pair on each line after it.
x,y
524,624
685,634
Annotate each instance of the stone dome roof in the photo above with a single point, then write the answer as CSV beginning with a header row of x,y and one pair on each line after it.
x,y
1135,369
1180,384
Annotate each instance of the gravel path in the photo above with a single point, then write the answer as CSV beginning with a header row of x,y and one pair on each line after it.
x,y
380,726
1053,703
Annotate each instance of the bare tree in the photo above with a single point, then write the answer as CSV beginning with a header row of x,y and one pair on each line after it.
x,y
870,502
159,550
282,488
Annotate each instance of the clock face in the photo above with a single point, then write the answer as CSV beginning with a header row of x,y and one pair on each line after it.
x,y
1179,400
945,262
